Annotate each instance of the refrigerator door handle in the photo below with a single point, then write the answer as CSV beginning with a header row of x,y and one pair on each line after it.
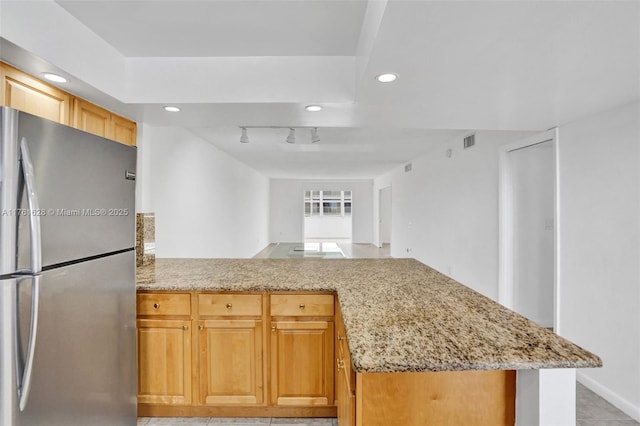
x,y
25,384
34,208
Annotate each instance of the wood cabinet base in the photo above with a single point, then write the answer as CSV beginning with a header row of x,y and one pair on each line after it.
x,y
154,410
479,398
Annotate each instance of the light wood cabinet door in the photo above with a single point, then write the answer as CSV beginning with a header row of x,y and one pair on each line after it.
x,y
25,93
164,361
346,400
123,130
231,362
91,118
302,363
345,377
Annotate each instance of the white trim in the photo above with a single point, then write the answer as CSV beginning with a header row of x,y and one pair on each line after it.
x,y
379,243
505,221
378,218
556,234
619,402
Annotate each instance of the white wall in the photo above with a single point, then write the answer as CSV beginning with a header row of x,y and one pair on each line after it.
x,y
207,204
327,227
286,208
445,210
599,228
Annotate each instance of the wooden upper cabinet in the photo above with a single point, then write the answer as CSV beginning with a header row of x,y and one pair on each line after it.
x,y
123,130
91,118
25,93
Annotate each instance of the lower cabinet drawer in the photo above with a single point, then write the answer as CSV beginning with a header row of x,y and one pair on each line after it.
x,y
230,304
302,305
163,304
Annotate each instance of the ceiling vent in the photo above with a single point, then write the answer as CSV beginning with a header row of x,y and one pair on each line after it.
x,y
469,141
407,168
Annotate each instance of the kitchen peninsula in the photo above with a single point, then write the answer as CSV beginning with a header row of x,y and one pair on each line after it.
x,y
409,341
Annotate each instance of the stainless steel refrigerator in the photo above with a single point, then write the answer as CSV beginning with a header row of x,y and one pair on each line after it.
x,y
67,276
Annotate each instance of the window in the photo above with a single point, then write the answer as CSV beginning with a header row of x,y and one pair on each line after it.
x,y
327,203
347,203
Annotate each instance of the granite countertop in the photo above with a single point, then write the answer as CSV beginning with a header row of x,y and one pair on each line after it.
x,y
400,315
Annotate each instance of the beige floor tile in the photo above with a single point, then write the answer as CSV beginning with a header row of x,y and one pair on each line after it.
x,y
592,408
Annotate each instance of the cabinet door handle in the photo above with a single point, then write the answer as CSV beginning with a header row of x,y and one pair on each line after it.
x,y
201,327
301,306
229,306
340,337
185,327
273,328
156,305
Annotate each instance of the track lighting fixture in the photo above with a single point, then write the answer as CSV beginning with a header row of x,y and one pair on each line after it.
x,y
291,138
244,138
292,135
314,135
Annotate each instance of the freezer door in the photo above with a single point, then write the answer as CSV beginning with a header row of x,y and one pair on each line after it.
x,y
84,368
85,192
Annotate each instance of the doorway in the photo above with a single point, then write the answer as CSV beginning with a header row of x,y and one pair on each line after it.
x,y
528,234
384,218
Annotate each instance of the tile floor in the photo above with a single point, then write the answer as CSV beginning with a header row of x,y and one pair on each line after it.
x,y
592,410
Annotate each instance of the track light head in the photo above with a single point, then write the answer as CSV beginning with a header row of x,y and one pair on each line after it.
x,y
292,135
314,135
244,138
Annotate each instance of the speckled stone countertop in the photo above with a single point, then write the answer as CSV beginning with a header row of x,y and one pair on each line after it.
x,y
400,315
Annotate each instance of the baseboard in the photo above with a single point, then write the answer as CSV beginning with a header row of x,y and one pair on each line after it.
x,y
619,402
543,323
160,410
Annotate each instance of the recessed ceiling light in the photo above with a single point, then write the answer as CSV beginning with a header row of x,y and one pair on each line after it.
x,y
387,77
172,108
313,108
54,77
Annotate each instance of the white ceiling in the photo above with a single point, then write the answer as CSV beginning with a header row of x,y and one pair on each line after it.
x,y
463,66
224,28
